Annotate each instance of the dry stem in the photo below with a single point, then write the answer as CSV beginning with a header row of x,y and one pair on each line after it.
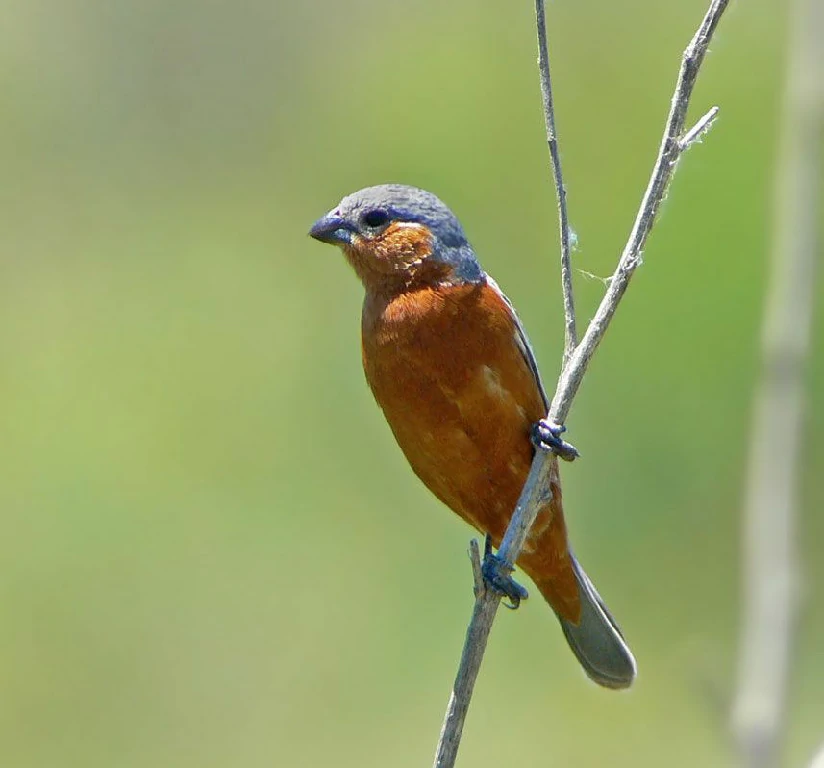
x,y
536,490
570,331
769,552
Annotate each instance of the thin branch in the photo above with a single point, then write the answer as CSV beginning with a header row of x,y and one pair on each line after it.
x,y
570,331
769,551
477,572
483,614
537,489
695,133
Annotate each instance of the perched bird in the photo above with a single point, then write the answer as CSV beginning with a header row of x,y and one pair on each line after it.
x,y
450,365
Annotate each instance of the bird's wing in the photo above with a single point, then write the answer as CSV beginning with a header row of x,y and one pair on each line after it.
x,y
522,341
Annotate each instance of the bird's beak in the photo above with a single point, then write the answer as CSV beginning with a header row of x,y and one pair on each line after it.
x,y
332,229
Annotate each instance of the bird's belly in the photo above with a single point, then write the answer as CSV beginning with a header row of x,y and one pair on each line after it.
x,y
463,429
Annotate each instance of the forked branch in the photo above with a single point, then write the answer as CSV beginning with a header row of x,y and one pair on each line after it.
x,y
675,141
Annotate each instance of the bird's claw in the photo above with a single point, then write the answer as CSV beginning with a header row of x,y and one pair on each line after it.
x,y
546,436
497,576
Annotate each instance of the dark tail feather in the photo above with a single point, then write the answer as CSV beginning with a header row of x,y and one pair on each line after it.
x,y
596,639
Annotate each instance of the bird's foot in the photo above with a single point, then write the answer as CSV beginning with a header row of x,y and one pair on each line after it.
x,y
497,575
546,436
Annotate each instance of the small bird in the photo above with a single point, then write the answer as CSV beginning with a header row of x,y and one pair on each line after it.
x,y
449,363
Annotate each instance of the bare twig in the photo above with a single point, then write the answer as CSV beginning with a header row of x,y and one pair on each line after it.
x,y
770,559
477,572
536,491
570,331
695,133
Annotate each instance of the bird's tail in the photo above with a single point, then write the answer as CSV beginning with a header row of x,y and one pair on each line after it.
x,y
596,638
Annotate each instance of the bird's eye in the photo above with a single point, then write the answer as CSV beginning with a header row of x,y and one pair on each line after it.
x,y
375,219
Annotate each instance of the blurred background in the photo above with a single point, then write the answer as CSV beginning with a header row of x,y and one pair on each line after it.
x,y
211,551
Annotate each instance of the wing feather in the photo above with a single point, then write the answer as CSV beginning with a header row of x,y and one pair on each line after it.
x,y
522,341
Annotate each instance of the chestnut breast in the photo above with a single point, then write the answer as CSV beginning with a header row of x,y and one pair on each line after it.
x,y
444,365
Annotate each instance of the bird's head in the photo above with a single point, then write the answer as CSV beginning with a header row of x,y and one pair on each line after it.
x,y
397,236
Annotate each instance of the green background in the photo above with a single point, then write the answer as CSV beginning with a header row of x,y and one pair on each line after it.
x,y
211,551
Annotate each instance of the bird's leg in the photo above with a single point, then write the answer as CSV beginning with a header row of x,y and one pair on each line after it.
x,y
497,575
546,436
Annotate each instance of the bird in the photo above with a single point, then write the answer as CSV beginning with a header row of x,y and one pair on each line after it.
x,y
449,363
